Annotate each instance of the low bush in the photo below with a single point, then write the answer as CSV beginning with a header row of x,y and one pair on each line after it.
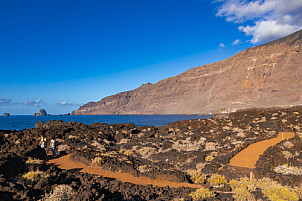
x,y
196,176
34,175
202,193
126,152
243,188
31,160
298,190
243,194
275,192
97,161
217,180
209,158
60,193
280,193
245,183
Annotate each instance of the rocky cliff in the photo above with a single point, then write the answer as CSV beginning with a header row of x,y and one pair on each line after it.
x,y
263,76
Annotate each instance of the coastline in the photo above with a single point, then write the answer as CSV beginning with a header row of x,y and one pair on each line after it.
x,y
172,152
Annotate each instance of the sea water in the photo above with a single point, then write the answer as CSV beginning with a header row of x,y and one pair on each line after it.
x,y
20,122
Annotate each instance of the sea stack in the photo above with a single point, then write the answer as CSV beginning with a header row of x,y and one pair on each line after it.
x,y
42,112
6,114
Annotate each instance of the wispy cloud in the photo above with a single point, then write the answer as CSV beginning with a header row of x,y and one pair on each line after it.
x,y
271,18
222,45
236,42
66,104
36,103
6,102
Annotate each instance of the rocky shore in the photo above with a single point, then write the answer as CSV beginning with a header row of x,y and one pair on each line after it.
x,y
192,151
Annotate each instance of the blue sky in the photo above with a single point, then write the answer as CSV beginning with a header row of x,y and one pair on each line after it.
x,y
60,54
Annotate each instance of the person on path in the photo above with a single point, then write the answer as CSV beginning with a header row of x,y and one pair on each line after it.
x,y
42,142
52,145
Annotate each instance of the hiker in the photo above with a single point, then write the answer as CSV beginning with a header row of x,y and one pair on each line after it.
x,y
52,145
42,142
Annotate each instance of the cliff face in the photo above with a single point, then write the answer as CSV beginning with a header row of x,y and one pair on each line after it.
x,y
263,76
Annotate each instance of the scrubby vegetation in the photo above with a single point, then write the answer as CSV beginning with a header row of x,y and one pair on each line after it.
x,y
31,160
196,176
202,193
217,180
32,176
62,192
244,188
97,162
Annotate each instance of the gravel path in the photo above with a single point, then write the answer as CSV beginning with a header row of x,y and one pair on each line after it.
x,y
65,162
250,155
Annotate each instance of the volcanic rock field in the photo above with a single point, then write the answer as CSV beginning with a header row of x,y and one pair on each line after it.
x,y
192,151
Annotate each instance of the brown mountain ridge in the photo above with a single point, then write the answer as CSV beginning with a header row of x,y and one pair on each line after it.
x,y
267,75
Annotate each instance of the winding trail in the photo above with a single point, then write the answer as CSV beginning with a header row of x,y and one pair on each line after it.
x,y
246,158
249,156
65,162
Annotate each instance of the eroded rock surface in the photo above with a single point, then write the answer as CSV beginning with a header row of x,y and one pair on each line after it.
x,y
261,76
168,152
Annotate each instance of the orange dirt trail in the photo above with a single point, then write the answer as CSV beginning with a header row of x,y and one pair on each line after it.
x,y
65,162
250,155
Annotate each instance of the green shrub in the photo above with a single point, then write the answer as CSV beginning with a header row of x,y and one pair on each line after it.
x,y
202,193
60,193
217,180
196,176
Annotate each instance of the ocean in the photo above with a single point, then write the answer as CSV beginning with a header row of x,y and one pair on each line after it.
x,y
20,122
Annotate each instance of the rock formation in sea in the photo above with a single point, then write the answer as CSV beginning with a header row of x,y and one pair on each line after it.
x,y
42,112
6,114
263,76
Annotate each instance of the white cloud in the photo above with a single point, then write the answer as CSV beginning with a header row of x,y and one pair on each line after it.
x,y
66,104
267,30
272,18
6,102
36,103
222,45
236,42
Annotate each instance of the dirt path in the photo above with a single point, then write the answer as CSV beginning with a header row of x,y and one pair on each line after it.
x,y
65,162
250,155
